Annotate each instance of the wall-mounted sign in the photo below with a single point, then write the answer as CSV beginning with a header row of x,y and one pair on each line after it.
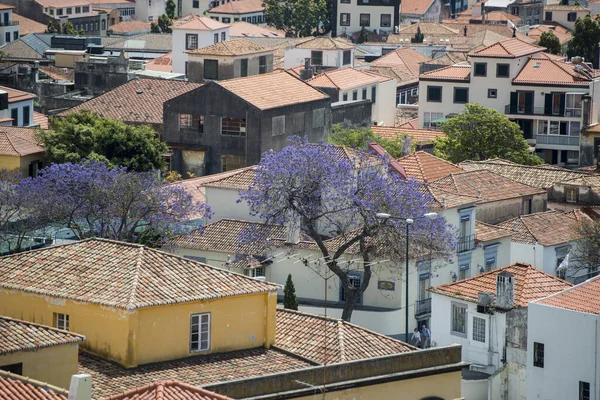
x,y
386,285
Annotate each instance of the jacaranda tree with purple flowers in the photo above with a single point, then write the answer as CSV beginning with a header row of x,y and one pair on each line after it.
x,y
326,192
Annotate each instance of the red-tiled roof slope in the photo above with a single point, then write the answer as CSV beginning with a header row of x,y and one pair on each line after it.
x,y
120,274
419,136
324,43
17,387
425,167
233,47
168,390
530,284
510,48
410,124
15,95
404,59
551,72
18,141
454,73
329,340
198,23
415,7
137,101
17,335
238,7
486,232
27,26
581,298
346,78
161,64
130,26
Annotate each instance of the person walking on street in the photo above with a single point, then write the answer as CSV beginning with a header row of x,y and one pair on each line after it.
x,y
416,338
425,337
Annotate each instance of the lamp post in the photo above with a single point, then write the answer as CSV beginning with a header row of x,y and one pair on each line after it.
x,y
408,222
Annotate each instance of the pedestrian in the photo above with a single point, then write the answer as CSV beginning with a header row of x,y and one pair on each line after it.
x,y
416,338
425,337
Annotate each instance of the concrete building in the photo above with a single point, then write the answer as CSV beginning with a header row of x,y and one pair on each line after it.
x,y
414,11
251,11
565,15
16,107
9,28
556,371
125,9
149,10
487,315
97,75
20,151
323,52
348,17
531,12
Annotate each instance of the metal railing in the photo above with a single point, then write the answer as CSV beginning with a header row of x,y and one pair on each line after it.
x,y
567,112
423,307
562,140
465,243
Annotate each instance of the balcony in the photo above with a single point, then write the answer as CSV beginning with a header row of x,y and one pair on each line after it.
x,y
465,243
9,23
561,140
567,112
423,307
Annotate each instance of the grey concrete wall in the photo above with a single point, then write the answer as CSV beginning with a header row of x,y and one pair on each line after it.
x,y
353,114
228,68
499,211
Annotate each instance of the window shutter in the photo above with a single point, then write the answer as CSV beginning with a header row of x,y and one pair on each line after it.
x,y
528,103
514,99
548,104
563,101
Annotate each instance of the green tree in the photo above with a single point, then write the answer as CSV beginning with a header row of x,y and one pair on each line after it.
x,y
551,42
154,28
164,23
50,28
298,18
360,137
85,135
480,133
68,29
564,2
81,32
363,36
585,39
289,294
170,8
419,37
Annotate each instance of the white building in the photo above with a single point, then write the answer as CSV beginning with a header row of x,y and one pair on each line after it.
x,y
545,239
349,16
547,97
322,51
251,11
126,8
349,85
149,10
564,15
9,29
414,11
558,367
16,107
193,33
487,315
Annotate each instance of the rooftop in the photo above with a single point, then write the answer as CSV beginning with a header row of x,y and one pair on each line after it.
x,y
402,64
486,232
419,136
17,387
246,29
17,335
425,167
547,228
17,141
530,284
581,298
230,48
63,3
27,25
168,390
130,26
162,63
551,72
509,48
346,78
415,7
559,7
15,95
198,23
455,73
139,100
324,43
139,276
6,7
563,34
150,42
258,90
238,7
239,179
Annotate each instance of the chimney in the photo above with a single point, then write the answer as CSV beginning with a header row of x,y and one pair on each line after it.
x,y
306,72
81,387
406,145
292,230
505,291
465,31
514,31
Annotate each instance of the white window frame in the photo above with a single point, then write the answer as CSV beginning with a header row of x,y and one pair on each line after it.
x,y
61,321
456,306
196,346
570,109
479,329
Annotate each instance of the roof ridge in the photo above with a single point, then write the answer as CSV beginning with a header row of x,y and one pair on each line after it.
x,y
340,335
8,138
160,390
33,382
589,280
136,279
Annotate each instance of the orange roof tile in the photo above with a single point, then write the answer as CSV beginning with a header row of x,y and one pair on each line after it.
x,y
240,179
162,63
6,7
17,335
486,232
246,29
530,284
238,7
40,119
17,387
18,141
230,48
560,7
404,60
582,298
15,95
130,26
415,7
510,48
425,167
550,72
346,78
560,32
419,136
325,43
197,23
63,3
258,90
27,26
411,124
168,390
455,73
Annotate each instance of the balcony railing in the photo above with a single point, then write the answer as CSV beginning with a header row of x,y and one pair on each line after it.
x,y
567,112
562,140
465,243
10,23
423,307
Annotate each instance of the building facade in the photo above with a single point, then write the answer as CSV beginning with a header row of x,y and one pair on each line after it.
x,y
9,29
350,16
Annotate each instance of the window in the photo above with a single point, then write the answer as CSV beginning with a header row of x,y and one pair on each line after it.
x,y
87,27
259,19
196,4
502,70
428,117
347,57
189,122
386,20
59,11
26,115
103,24
278,125
424,283
61,321
479,329
216,38
229,162
254,19
574,128
573,104
191,41
572,17
298,122
490,264
262,64
374,94
244,67
345,97
77,10
538,354
461,95
364,93
199,332
223,34
233,127
69,10
355,95
521,96
345,19
365,19
7,37
76,26
480,69
226,20
14,114
345,1
584,387
572,157
548,16
515,11
527,206
459,319
554,128
97,26
211,69
492,93
254,272
318,118
571,194
434,94
355,282
464,271
316,57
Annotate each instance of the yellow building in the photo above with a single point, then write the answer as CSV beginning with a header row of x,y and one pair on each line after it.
x,y
19,150
38,352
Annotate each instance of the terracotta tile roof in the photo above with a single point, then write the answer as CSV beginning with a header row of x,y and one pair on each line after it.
x,y
246,29
454,73
18,141
549,56
415,7
486,232
558,7
560,32
27,26
240,179
484,186
425,167
329,340
510,48
540,176
17,335
139,276
429,28
324,43
58,74
346,78
151,42
584,180
162,64
15,95
63,3
530,284
139,100
168,390
40,119
17,387
411,124
550,72
405,60
130,26
581,298
20,50
444,199
238,7
419,136
547,228
258,90
230,48
6,7
198,23
449,59
109,378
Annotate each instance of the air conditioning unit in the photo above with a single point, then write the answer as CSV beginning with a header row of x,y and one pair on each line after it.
x,y
485,300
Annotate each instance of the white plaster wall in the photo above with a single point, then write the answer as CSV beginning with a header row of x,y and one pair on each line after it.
x,y
331,58
384,322
474,390
527,253
355,10
205,38
561,17
187,7
384,108
144,9
447,105
232,17
20,106
223,203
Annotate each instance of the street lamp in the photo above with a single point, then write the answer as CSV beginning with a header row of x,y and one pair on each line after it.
x,y
408,222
